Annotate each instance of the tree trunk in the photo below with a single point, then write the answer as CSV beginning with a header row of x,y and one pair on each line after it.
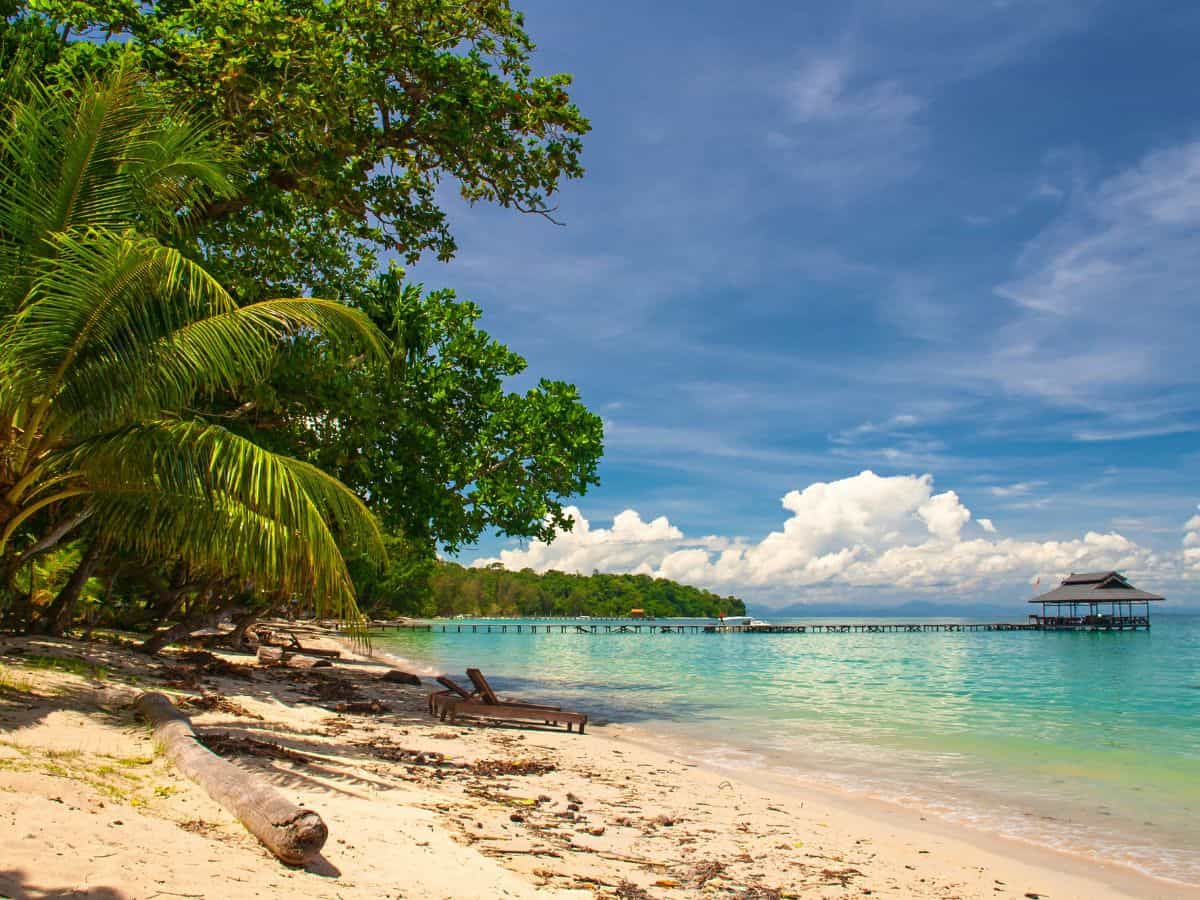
x,y
237,639
273,656
57,618
16,609
292,833
171,597
51,540
15,605
277,656
109,586
161,639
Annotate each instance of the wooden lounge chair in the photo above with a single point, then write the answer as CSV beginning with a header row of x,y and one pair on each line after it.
x,y
505,712
484,690
452,691
484,703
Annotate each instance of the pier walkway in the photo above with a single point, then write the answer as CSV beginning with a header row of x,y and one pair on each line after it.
x,y
635,627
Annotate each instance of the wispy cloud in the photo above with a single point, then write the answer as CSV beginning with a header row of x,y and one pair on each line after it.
x,y
1134,434
1096,322
1020,489
842,131
1104,287
865,429
952,41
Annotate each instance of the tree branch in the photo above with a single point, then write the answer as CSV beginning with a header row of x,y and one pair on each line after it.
x,y
56,534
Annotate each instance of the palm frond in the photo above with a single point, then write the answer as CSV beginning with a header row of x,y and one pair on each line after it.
x,y
107,334
165,461
225,351
104,154
224,538
106,293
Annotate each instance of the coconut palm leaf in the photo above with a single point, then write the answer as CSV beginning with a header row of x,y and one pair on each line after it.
x,y
113,155
107,335
110,346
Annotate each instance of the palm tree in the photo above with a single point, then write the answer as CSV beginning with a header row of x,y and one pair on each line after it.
x,y
109,335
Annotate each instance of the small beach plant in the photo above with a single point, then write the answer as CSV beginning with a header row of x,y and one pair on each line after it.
x,y
111,337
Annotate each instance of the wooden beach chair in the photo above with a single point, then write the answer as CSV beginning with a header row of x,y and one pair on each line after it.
x,y
509,712
483,691
484,703
452,691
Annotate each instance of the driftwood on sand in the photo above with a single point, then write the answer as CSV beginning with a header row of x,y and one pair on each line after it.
x,y
276,656
297,661
288,641
292,833
271,655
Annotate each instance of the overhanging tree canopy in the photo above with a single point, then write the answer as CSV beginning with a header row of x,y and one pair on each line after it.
x,y
430,437
348,115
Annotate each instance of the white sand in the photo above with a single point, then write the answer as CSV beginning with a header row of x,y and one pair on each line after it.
x,y
87,809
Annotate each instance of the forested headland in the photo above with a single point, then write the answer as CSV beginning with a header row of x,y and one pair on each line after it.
x,y
449,589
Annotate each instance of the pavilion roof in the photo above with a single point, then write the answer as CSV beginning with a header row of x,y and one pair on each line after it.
x,y
1091,587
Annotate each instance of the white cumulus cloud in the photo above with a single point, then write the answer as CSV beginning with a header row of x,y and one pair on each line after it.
x,y
859,532
1191,546
630,545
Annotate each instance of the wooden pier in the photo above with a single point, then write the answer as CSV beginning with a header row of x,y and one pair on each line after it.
x,y
635,627
1095,601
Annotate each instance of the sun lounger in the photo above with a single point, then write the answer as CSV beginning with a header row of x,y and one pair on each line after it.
x,y
483,691
503,712
484,703
452,691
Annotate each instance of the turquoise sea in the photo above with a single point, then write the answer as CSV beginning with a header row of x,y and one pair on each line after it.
x,y
1089,742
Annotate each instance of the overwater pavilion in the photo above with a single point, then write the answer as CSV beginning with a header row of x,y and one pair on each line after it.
x,y
1094,601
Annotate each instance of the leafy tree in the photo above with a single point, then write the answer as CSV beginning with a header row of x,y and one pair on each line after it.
x,y
108,336
399,589
430,438
348,115
494,590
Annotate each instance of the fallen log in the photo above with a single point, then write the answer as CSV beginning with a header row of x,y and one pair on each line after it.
x,y
292,833
274,656
291,644
296,661
317,651
271,655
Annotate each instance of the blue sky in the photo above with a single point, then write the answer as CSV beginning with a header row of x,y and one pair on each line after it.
x,y
954,240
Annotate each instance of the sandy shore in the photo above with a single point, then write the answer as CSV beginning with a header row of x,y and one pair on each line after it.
x,y
420,809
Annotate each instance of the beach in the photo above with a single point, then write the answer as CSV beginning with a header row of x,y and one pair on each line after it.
x,y
1081,742
418,808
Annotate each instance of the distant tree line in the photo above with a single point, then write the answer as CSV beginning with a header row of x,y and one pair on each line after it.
x,y
449,589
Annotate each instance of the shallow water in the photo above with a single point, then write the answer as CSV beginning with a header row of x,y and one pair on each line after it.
x,y
1089,742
